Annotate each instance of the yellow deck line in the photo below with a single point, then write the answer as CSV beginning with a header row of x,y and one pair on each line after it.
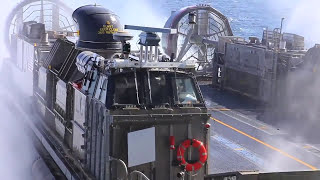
x,y
266,144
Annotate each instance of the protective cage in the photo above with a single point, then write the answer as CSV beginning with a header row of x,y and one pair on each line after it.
x,y
199,28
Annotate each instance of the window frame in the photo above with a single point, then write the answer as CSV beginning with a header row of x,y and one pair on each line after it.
x,y
144,92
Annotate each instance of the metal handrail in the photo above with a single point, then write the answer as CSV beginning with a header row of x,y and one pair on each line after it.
x,y
124,166
128,176
34,5
139,173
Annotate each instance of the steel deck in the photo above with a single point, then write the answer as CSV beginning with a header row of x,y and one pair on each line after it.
x,y
241,141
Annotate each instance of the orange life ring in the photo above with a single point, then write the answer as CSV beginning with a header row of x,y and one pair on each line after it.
x,y
202,151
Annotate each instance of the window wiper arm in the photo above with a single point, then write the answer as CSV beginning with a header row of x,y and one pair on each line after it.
x,y
136,83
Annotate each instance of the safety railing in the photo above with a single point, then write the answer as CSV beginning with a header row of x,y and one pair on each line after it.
x,y
131,175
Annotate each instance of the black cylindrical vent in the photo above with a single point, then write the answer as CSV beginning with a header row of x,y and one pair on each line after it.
x,y
97,26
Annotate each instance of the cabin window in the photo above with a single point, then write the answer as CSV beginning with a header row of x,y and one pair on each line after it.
x,y
125,89
185,91
160,89
166,88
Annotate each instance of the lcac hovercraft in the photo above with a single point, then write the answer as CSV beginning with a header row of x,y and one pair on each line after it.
x,y
110,114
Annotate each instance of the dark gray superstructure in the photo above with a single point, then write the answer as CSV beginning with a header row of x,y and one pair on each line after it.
x,y
99,106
